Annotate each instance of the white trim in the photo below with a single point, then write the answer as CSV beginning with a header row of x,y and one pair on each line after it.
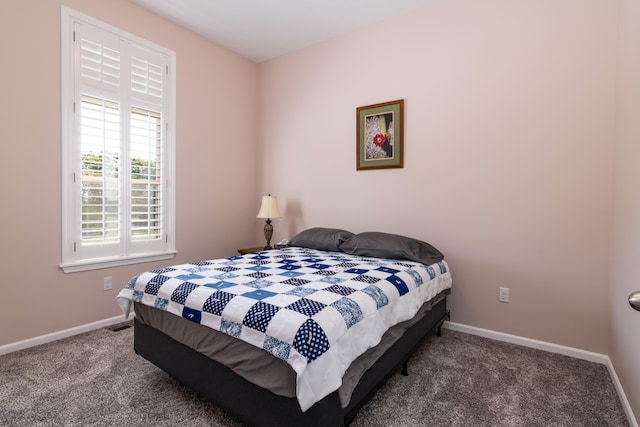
x,y
94,264
552,348
43,339
528,342
623,397
80,257
68,15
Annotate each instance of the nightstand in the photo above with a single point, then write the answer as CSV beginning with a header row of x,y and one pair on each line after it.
x,y
251,250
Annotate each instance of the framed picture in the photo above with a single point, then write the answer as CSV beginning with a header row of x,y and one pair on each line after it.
x,y
379,133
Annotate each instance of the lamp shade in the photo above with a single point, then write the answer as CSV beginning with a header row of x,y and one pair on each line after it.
x,y
269,207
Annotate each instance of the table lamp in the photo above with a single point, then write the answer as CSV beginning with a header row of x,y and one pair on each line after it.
x,y
269,209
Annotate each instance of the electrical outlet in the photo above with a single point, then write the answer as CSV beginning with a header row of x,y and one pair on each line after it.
x,y
108,283
504,295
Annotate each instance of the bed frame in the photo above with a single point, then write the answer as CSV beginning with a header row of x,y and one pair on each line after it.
x,y
223,387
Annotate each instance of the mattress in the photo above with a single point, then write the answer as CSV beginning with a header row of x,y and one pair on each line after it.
x,y
316,311
258,366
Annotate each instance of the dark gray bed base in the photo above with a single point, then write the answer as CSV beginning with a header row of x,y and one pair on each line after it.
x,y
257,406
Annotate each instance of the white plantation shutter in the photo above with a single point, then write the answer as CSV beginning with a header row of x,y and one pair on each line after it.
x,y
118,204
146,77
145,150
99,62
145,176
99,180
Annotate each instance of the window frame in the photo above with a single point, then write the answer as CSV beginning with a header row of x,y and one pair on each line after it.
x,y
72,259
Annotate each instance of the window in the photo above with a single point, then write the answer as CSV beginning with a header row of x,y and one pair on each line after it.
x,y
118,103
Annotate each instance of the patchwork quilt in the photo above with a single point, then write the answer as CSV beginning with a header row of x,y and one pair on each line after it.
x,y
316,310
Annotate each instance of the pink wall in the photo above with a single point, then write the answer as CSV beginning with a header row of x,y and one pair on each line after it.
x,y
509,152
215,150
624,346
509,165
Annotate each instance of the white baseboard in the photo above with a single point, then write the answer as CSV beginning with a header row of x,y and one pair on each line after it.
x,y
43,339
552,348
623,397
527,342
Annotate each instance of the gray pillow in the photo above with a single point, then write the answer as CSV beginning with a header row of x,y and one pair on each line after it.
x,y
324,239
393,246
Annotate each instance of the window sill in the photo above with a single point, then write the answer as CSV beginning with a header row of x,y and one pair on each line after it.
x,y
95,264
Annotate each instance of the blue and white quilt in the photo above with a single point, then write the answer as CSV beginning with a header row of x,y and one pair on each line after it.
x,y
316,310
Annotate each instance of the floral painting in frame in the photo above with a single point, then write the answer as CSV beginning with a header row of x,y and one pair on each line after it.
x,y
379,135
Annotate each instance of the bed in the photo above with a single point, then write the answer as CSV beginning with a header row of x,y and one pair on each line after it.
x,y
302,335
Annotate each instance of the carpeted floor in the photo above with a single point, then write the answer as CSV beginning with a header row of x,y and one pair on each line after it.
x,y
95,379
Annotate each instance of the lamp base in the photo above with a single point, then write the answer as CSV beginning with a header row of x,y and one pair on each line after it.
x,y
268,233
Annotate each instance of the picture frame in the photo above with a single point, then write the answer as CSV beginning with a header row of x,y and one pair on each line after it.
x,y
379,135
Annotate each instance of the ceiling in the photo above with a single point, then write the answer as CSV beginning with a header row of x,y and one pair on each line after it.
x,y
264,29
